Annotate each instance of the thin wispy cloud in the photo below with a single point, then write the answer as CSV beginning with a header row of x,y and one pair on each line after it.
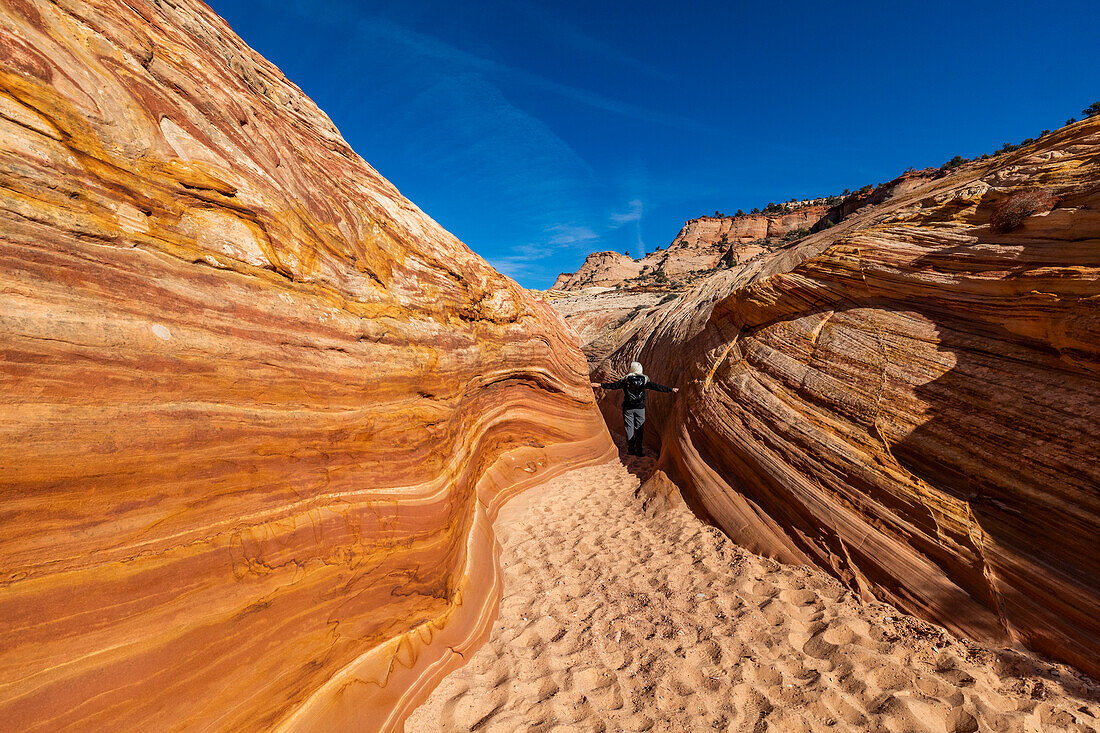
x,y
623,109
532,259
570,235
516,268
496,143
634,214
639,243
427,45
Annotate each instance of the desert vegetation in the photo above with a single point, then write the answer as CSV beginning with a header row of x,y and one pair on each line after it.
x,y
1011,212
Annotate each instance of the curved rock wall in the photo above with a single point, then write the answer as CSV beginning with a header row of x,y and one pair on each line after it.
x,y
910,400
257,411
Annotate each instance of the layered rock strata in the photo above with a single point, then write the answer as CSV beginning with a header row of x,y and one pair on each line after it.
x,y
909,399
702,244
708,230
603,321
257,411
906,183
600,269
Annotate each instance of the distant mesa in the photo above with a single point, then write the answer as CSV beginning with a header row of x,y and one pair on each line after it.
x,y
702,245
604,269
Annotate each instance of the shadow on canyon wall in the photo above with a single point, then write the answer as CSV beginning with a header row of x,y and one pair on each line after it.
x,y
1009,432
1013,430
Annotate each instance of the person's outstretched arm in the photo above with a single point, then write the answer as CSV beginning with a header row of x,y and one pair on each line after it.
x,y
610,385
660,387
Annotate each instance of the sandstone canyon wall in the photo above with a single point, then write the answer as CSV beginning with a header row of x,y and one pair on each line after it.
x,y
910,399
257,411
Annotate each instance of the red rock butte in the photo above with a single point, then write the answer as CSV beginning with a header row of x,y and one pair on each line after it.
x,y
258,410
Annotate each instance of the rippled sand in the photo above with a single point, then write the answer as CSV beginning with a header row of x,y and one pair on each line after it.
x,y
622,611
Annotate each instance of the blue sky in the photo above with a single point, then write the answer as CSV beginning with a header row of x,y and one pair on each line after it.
x,y
539,132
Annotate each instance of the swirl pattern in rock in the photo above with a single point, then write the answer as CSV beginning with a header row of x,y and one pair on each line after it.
x,y
910,399
258,410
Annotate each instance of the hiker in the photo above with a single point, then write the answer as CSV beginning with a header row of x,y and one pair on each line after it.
x,y
634,385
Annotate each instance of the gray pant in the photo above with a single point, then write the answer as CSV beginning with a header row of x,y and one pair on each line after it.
x,y
633,420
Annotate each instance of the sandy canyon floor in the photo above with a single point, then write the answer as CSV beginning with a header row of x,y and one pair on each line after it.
x,y
619,614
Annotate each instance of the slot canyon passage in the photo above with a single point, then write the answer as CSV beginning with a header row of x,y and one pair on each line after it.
x,y
276,448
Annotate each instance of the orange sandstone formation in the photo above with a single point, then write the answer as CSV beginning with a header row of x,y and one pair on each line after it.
x,y
600,269
906,183
561,280
258,411
709,230
705,242
602,321
910,399
701,245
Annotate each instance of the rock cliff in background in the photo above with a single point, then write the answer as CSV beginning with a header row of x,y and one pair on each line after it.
x,y
906,183
600,269
561,280
701,245
258,411
602,321
910,399
709,230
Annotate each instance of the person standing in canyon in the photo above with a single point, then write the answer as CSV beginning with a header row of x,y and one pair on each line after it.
x,y
634,386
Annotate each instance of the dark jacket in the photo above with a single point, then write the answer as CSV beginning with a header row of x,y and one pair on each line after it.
x,y
634,387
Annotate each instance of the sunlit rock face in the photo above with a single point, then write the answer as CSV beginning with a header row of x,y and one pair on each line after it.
x,y
600,269
702,244
907,182
909,399
258,410
709,230
602,321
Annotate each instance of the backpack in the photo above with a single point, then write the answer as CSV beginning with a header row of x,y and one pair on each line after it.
x,y
634,386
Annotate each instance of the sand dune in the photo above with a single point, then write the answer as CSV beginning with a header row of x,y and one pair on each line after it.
x,y
622,611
